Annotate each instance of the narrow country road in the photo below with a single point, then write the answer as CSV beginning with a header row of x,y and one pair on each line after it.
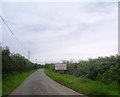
x,y
40,84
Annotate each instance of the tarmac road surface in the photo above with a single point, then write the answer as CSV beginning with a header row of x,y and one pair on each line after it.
x,y
40,84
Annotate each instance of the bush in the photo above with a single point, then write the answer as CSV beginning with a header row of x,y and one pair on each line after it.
x,y
104,69
15,62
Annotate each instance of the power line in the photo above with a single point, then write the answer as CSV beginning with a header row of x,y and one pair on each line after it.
x,y
14,36
11,31
7,26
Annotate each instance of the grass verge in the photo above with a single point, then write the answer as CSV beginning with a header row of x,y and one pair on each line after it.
x,y
11,81
0,85
84,85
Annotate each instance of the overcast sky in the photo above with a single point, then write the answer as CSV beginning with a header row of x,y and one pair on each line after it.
x,y
59,31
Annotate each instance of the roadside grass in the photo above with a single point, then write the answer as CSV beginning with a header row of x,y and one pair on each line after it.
x,y
0,85
12,81
84,85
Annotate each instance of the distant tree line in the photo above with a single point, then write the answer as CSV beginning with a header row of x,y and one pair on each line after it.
x,y
15,62
104,69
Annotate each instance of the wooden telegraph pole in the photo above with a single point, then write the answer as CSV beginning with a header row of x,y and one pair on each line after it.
x,y
28,55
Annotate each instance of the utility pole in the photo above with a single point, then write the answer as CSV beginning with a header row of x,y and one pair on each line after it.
x,y
45,61
28,55
0,44
36,61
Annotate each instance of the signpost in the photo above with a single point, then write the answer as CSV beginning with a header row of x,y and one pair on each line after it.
x,y
60,67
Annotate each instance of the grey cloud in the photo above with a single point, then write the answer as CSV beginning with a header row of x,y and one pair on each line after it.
x,y
54,31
